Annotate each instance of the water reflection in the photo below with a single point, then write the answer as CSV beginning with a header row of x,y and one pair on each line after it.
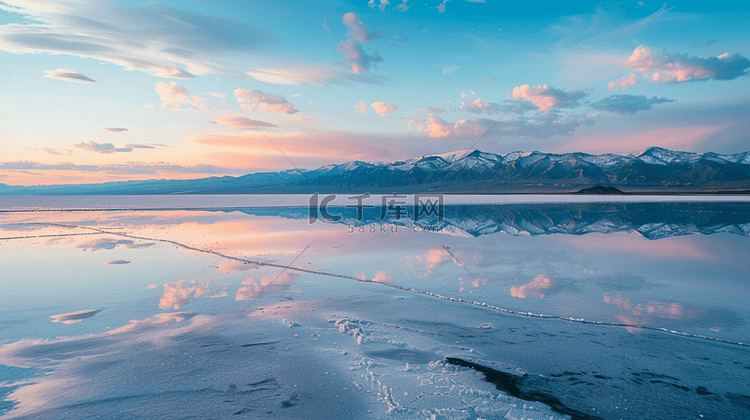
x,y
603,265
652,220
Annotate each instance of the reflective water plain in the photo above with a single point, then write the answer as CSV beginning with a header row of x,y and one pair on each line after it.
x,y
547,310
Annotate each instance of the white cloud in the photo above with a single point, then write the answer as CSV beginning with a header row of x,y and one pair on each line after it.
x,y
255,100
66,74
441,6
360,107
676,68
449,69
153,38
383,108
624,82
173,95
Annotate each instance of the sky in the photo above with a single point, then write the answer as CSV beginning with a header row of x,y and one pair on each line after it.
x,y
97,91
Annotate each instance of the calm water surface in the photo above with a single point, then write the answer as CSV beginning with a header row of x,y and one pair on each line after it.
x,y
207,307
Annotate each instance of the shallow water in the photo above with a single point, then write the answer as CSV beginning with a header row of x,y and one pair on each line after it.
x,y
541,309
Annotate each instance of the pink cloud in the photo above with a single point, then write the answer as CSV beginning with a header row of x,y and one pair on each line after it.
x,y
360,107
173,96
676,68
255,100
546,97
624,82
68,75
233,121
356,57
358,31
383,108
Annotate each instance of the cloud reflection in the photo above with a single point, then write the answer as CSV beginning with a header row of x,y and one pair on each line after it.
x,y
108,243
256,288
74,317
533,288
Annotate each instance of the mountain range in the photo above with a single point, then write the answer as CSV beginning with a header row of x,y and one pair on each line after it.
x,y
470,171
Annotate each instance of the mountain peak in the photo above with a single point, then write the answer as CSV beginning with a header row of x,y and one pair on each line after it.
x,y
454,156
661,156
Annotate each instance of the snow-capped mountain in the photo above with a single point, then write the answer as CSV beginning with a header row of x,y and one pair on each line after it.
x,y
468,171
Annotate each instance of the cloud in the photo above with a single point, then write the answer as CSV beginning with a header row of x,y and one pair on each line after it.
x,y
253,99
153,38
403,7
449,69
435,110
628,104
489,79
479,107
541,127
74,317
703,45
56,152
65,74
519,107
317,75
102,147
533,288
356,57
173,95
328,146
217,95
382,108
257,288
134,168
233,121
546,97
117,262
624,82
678,68
115,129
358,31
360,107
107,243
382,5
441,6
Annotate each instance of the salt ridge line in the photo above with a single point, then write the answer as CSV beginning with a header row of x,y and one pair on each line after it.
x,y
62,235
406,289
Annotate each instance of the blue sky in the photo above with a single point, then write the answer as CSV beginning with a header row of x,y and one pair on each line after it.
x,y
101,90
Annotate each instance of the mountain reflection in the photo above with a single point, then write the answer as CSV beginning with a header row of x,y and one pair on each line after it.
x,y
652,220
